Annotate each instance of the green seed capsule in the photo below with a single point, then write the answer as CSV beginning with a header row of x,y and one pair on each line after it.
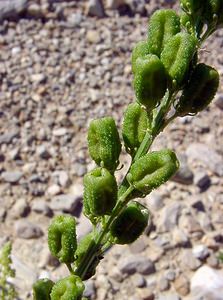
x,y
104,143
152,170
86,244
177,55
130,224
68,288
135,125
162,26
200,90
42,289
192,6
100,192
150,81
140,50
62,238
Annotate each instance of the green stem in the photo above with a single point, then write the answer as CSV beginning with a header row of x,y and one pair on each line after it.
x,y
90,255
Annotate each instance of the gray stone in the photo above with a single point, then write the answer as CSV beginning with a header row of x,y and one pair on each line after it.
x,y
207,284
202,180
43,152
27,230
163,284
41,207
11,8
138,280
65,202
75,19
114,4
189,261
34,10
84,227
219,101
20,208
184,175
89,290
136,263
200,251
12,176
169,216
155,201
170,275
95,8
169,296
206,155
38,78
7,137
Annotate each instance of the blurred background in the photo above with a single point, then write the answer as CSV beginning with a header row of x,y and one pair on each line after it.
x,y
63,63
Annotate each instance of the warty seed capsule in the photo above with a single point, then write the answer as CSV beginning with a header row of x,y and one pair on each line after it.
x,y
141,49
177,55
150,81
163,24
200,90
62,238
130,224
42,289
100,192
135,125
152,170
104,143
68,288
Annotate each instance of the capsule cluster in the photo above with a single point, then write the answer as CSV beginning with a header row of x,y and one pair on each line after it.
x,y
165,64
167,61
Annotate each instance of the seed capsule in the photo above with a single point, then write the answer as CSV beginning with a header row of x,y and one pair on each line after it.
x,y
87,244
136,123
150,81
62,238
100,192
177,55
130,224
141,49
162,26
104,143
68,288
42,289
200,90
152,170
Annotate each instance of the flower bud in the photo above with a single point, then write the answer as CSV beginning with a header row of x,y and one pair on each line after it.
x,y
68,288
100,192
104,143
213,12
135,125
152,170
200,90
140,50
62,238
177,55
130,224
85,246
163,24
42,289
150,81
192,7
